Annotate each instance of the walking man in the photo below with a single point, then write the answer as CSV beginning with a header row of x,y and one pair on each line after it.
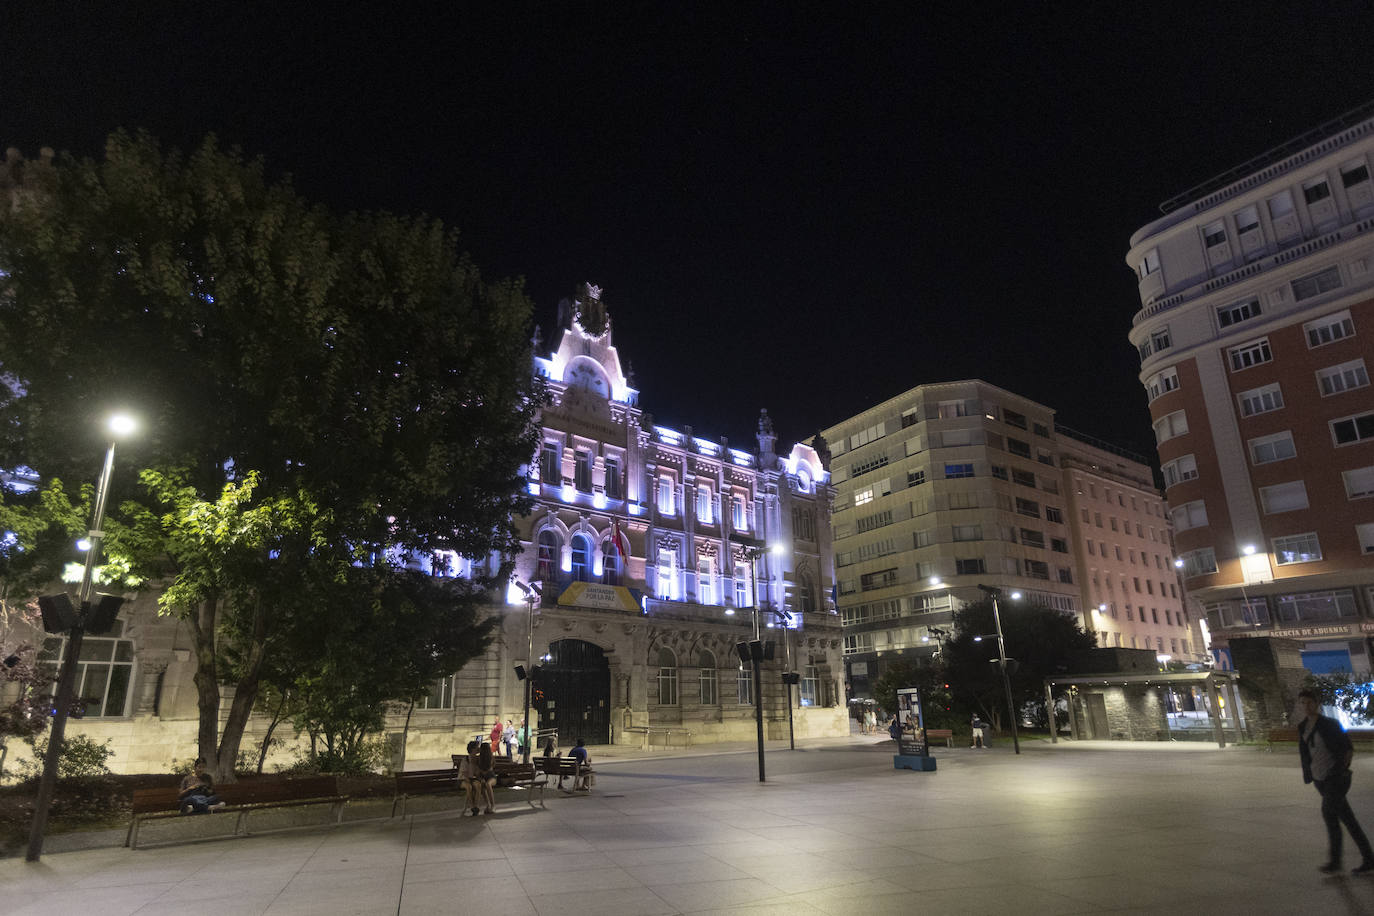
x,y
1326,752
977,725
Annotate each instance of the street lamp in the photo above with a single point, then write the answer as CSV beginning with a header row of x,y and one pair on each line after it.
x,y
59,615
532,593
939,634
757,651
994,593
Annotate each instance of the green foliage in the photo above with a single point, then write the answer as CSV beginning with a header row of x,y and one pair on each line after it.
x,y
81,758
1040,640
1340,689
936,702
317,390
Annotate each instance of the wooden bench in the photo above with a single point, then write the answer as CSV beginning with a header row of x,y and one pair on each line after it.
x,y
423,782
510,775
1282,733
563,767
940,734
240,798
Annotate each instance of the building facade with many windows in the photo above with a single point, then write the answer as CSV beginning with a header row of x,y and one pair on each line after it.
x,y
939,489
1133,596
1254,334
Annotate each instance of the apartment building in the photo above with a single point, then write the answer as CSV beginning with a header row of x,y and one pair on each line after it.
x,y
1254,334
1133,596
939,489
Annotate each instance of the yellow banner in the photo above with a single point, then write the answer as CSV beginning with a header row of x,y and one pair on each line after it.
x,y
593,594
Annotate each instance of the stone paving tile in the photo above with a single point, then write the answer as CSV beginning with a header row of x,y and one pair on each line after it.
x,y
444,898
420,872
574,883
695,896
625,901
107,901
685,872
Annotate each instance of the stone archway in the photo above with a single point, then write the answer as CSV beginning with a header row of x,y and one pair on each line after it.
x,y
573,693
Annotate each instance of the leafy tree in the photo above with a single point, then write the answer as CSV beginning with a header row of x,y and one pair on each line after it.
x,y
936,702
318,391
1040,642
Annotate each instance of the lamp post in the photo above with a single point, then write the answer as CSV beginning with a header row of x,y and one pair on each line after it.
x,y
939,635
995,593
532,594
756,651
118,426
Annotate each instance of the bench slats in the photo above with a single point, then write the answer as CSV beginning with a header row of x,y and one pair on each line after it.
x,y
240,798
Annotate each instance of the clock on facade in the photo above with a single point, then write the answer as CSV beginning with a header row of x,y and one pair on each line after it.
x,y
588,376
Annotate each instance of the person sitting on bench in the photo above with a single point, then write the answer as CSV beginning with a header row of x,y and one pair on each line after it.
x,y
584,760
197,791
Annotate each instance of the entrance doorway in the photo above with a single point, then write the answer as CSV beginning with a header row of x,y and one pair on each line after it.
x,y
573,693
1097,716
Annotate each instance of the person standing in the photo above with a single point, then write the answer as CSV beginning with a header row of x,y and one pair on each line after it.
x,y
496,729
1326,752
509,741
978,725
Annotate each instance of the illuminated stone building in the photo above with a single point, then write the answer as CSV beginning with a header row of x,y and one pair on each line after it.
x,y
1254,333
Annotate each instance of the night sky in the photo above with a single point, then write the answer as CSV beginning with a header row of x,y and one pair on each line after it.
x,y
809,208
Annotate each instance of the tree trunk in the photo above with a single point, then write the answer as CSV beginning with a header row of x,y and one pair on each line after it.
x,y
271,727
203,621
405,735
245,695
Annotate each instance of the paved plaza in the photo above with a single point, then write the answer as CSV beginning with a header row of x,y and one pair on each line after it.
x,y
1087,827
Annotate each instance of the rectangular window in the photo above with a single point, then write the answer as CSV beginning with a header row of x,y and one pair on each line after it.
x,y
1032,538
948,410
667,505
1045,457
440,695
744,678
1179,470
614,486
1160,340
1254,353
915,478
1214,234
1149,264
1260,400
1353,173
1028,507
810,685
1328,329
705,581
1297,548
1352,429
1247,220
1163,381
956,471
704,514
968,532
1012,418
871,463
582,470
1199,562
1052,514
1024,478
863,497
550,461
1276,447
1065,575
999,471
1280,204
104,671
738,518
1315,284
667,575
1017,447
1345,377
1316,606
881,579
1228,315
1365,533
1315,191
877,520
1036,569
1040,429
1283,497
1171,426
1189,515
971,567
1359,483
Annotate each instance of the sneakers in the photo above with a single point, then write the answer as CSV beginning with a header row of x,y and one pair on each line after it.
x,y
1330,868
217,805
474,812
1364,868
489,811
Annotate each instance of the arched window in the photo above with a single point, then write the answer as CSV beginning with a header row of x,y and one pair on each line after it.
x,y
581,558
547,567
667,677
611,563
710,694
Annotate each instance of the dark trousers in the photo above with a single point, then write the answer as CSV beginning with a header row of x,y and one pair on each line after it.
x,y
1336,811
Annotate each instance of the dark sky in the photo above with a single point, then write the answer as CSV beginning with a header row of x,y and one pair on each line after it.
x,y
808,207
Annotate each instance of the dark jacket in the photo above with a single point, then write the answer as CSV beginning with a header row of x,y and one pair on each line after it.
x,y
1332,735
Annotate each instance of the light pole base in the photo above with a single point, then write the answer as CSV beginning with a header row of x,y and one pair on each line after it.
x,y
905,762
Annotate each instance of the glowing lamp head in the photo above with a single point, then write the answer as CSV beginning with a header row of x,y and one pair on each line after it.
x,y
1015,596
1179,562
935,580
1102,608
1248,550
777,550
83,545
120,425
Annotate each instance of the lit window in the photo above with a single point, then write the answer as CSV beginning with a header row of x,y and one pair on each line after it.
x,y
738,519
582,470
1171,426
1199,562
1345,377
549,464
863,497
581,558
667,574
1297,548
666,503
547,565
742,586
706,580
810,685
614,486
955,471
704,505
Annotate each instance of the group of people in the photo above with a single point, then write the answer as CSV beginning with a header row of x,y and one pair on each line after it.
x,y
507,739
477,772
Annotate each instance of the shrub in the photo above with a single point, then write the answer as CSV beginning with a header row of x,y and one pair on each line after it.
x,y
82,758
